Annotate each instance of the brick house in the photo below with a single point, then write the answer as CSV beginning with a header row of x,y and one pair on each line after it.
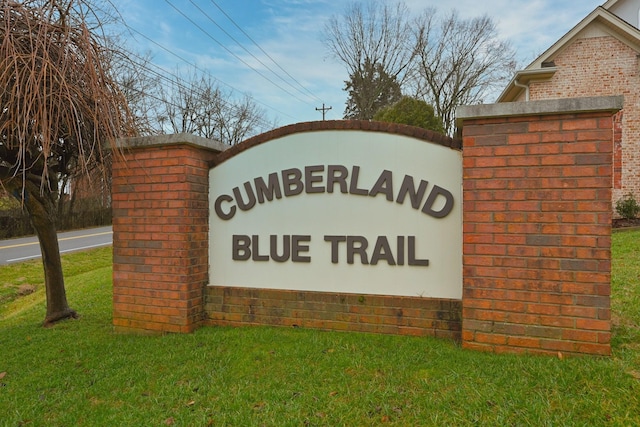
x,y
597,57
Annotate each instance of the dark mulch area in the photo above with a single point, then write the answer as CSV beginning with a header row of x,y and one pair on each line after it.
x,y
624,223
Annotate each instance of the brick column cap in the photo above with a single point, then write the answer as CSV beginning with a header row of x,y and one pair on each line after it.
x,y
172,139
534,108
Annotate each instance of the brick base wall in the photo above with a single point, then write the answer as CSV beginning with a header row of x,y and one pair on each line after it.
x,y
321,310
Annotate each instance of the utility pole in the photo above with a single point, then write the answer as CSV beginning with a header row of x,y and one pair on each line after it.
x,y
324,110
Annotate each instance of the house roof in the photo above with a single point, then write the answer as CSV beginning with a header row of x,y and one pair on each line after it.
x,y
610,3
600,21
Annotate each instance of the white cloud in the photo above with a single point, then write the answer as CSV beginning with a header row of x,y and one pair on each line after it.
x,y
291,31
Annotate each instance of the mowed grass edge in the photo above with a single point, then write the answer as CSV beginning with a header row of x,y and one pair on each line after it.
x,y
82,373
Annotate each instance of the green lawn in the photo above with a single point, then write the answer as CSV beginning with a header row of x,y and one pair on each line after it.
x,y
81,373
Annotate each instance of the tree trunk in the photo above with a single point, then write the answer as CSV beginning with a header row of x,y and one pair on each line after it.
x,y
42,211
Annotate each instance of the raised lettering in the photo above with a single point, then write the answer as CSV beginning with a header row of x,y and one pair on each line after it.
x,y
400,254
412,254
256,250
264,191
310,179
357,245
448,202
382,250
353,184
241,247
409,188
286,248
337,174
335,240
218,207
252,198
384,185
292,182
297,247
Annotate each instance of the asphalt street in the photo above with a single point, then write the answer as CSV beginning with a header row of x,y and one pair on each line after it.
x,y
25,248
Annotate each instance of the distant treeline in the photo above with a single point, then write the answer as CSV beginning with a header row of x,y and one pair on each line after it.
x,y
14,222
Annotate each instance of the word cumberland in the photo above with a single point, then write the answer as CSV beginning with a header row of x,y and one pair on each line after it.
x,y
314,179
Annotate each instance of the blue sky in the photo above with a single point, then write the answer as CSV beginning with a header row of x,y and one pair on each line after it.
x,y
290,32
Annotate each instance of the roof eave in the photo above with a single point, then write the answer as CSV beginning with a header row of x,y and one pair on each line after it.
x,y
607,5
524,77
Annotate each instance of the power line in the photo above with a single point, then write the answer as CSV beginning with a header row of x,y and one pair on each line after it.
x,y
206,72
263,51
201,70
247,50
119,18
231,53
166,101
181,84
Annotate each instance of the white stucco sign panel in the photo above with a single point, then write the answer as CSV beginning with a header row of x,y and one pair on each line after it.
x,y
339,211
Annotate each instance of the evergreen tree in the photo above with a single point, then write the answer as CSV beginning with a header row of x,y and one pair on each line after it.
x,y
370,89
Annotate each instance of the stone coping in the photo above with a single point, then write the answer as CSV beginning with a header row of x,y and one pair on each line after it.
x,y
549,106
362,125
171,139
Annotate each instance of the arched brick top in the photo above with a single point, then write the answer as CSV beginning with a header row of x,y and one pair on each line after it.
x,y
364,125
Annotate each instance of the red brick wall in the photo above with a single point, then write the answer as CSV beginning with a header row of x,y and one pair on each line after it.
x,y
322,310
537,227
160,241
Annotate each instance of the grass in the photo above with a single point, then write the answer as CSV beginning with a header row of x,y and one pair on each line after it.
x,y
24,278
82,373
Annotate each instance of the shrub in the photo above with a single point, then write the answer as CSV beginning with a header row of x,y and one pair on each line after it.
x,y
411,111
627,207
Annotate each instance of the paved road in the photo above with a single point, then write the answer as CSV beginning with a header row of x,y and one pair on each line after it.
x,y
16,250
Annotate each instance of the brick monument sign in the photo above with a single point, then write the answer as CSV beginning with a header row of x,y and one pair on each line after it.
x,y
500,240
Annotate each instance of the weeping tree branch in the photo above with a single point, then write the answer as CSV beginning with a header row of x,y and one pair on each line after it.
x,y
61,112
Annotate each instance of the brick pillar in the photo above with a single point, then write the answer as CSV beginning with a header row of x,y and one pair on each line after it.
x,y
537,225
160,232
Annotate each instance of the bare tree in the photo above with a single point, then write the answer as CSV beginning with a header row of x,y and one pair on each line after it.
x,y
139,85
459,62
376,35
198,106
61,111
240,120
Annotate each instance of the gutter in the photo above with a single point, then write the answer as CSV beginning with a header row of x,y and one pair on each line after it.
x,y
524,86
522,79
